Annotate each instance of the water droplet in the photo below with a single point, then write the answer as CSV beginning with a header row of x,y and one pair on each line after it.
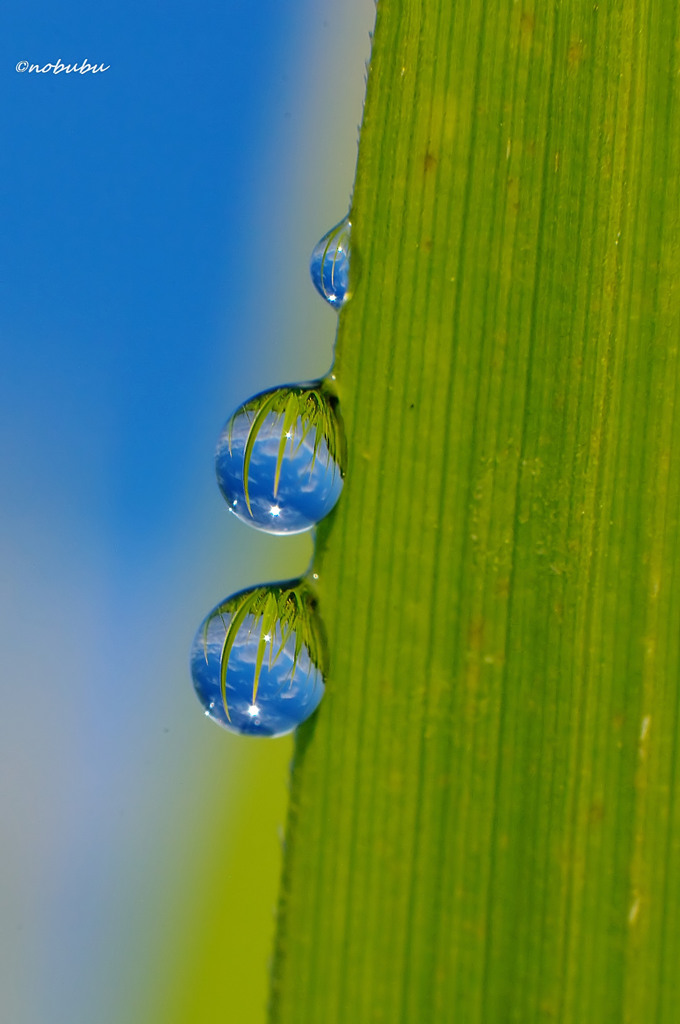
x,y
329,264
280,458
252,686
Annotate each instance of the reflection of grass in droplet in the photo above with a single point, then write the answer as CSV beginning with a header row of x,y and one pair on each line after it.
x,y
338,241
329,264
290,608
301,409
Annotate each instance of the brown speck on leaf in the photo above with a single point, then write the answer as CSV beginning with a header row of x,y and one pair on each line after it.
x,y
575,52
429,162
526,24
596,812
475,634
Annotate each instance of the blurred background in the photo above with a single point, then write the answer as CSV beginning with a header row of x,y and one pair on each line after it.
x,y
157,221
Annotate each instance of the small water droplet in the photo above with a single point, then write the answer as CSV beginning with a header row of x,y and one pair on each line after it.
x,y
329,264
280,458
253,687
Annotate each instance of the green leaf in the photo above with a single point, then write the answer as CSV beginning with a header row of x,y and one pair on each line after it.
x,y
485,823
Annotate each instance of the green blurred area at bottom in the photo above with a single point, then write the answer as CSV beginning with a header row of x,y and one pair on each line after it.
x,y
212,965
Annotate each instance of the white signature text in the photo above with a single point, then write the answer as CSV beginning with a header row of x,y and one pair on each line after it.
x,y
57,68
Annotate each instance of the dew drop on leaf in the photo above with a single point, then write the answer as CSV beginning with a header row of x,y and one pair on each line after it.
x,y
329,264
280,458
258,660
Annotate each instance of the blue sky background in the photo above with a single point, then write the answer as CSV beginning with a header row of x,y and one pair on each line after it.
x,y
156,223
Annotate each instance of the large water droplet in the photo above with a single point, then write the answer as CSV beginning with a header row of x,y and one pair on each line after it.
x,y
280,458
258,660
329,264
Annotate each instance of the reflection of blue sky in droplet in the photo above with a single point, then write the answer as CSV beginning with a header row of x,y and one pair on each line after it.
x,y
288,691
329,264
309,485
